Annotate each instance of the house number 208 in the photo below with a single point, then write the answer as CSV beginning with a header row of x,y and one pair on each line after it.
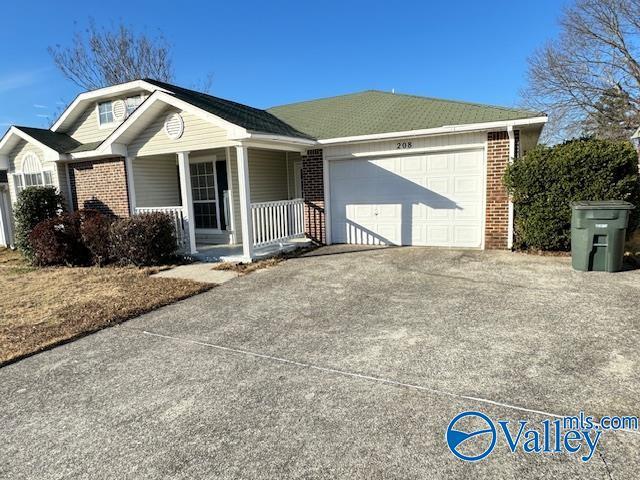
x,y
403,145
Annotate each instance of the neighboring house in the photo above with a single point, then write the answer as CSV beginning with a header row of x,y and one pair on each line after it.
x,y
370,167
635,139
5,210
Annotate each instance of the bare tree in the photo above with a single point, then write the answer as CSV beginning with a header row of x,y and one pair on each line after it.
x,y
100,57
588,80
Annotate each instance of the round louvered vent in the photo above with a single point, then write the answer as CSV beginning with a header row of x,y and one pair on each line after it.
x,y
174,126
119,110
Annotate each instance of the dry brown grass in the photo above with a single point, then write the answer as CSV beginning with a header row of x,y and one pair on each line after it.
x,y
43,307
244,268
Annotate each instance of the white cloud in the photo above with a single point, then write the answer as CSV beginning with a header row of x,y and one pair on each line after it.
x,y
13,81
37,105
42,115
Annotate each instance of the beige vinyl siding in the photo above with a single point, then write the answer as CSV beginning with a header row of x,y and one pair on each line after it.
x,y
63,184
292,159
199,134
528,139
156,181
87,129
21,149
268,175
267,180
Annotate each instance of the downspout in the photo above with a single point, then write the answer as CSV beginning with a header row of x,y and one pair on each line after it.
x,y
512,154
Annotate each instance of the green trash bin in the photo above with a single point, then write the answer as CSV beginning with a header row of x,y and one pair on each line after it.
x,y
598,231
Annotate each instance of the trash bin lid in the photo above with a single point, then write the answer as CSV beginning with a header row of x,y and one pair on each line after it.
x,y
602,205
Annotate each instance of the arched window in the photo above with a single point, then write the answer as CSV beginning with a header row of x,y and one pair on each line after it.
x,y
31,174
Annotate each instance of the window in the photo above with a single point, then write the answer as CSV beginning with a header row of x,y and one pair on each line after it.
x,y
32,174
203,189
133,103
105,112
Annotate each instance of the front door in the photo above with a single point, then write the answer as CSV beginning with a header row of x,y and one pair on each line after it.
x,y
204,188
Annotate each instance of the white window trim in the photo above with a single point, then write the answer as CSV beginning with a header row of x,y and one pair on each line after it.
x,y
20,173
23,179
115,122
211,159
105,125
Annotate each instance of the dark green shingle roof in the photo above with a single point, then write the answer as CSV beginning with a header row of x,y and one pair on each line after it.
x,y
85,147
60,142
253,119
373,111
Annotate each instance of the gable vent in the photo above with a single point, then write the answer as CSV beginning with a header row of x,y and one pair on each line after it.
x,y
119,110
174,126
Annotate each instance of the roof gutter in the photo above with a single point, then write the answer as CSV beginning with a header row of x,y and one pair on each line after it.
x,y
471,127
266,137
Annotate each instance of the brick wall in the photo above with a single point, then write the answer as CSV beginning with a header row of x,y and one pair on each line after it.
x,y
100,185
313,194
497,208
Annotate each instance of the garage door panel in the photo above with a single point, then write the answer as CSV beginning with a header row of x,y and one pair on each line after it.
x,y
438,235
435,214
437,164
431,199
468,211
411,165
440,185
465,162
464,185
388,212
466,236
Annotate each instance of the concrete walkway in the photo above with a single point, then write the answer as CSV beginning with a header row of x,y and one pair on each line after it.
x,y
198,272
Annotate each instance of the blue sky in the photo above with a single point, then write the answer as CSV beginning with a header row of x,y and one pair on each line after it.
x,y
273,52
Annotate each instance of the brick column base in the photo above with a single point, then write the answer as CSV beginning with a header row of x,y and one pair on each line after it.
x,y
313,195
497,208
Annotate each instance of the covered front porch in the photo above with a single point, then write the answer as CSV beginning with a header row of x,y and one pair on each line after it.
x,y
235,203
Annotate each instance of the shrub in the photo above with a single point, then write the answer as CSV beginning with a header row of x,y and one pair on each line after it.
x,y
58,241
33,205
547,179
95,230
143,240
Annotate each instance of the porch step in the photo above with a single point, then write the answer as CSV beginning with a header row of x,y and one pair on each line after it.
x,y
222,238
233,253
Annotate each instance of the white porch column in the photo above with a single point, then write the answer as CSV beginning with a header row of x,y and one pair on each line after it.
x,y
128,163
245,201
187,199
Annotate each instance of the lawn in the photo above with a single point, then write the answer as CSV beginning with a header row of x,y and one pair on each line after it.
x,y
41,307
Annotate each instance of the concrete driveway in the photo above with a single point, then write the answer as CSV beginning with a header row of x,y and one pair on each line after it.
x,y
347,363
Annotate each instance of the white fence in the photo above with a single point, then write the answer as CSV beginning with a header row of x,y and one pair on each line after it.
x,y
275,222
176,214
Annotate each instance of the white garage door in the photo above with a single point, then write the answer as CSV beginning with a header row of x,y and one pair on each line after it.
x,y
434,199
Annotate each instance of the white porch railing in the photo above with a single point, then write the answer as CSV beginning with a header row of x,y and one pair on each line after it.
x,y
275,222
177,215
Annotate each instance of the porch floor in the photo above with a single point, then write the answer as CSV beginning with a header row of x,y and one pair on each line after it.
x,y
233,253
